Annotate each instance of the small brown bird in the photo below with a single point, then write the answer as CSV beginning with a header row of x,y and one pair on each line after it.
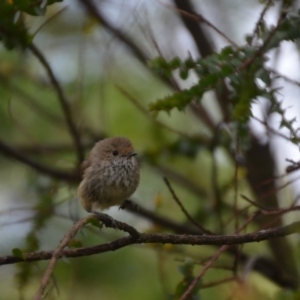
x,y
110,174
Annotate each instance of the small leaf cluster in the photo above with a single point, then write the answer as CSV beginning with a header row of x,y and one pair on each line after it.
x,y
13,31
276,107
233,71
287,30
241,72
187,270
211,73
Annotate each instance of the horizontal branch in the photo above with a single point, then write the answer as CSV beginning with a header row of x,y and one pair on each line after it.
x,y
159,238
71,176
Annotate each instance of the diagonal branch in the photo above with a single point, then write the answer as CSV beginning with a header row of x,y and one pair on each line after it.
x,y
191,21
63,101
136,51
19,156
107,220
187,294
186,213
92,9
56,253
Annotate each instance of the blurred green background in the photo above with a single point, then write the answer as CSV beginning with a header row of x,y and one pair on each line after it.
x,y
109,91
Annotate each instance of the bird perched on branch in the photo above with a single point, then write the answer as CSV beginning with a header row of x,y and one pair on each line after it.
x,y
110,174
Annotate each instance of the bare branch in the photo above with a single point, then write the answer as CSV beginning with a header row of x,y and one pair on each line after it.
x,y
63,101
185,9
56,173
160,238
261,50
217,282
94,11
190,289
261,17
56,254
183,208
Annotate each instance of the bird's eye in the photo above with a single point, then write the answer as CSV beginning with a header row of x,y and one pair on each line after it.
x,y
115,152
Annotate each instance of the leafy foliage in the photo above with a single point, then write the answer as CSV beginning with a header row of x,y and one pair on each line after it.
x,y
13,31
187,271
240,68
212,71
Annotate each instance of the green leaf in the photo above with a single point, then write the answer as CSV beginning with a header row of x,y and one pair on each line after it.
x,y
13,30
189,63
226,51
287,30
288,295
17,252
175,63
94,222
184,73
187,271
208,81
162,67
75,243
177,100
226,70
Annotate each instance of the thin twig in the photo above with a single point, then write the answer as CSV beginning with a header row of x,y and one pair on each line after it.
x,y
200,18
224,247
56,173
217,282
195,282
99,17
180,179
49,20
284,77
271,211
162,221
269,193
279,212
183,208
293,167
255,204
260,19
57,253
270,129
262,48
63,101
107,220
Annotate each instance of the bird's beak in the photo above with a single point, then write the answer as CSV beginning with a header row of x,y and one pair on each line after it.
x,y
131,154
